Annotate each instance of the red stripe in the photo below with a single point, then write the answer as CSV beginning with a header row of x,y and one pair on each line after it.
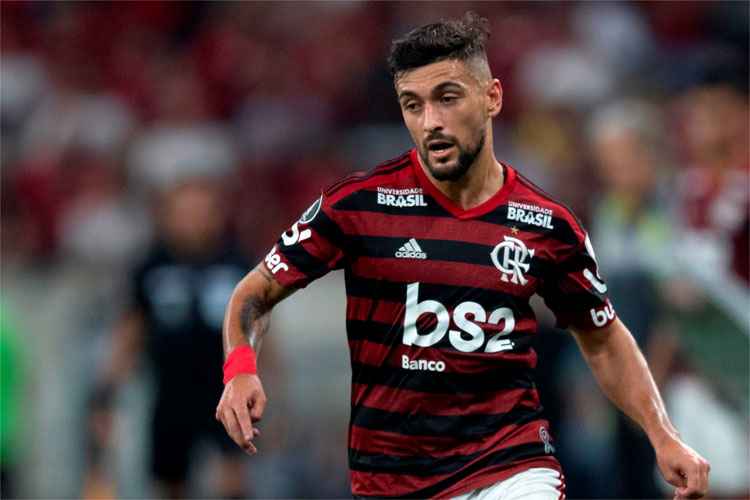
x,y
389,176
477,363
437,272
399,160
391,443
319,247
361,176
407,401
384,484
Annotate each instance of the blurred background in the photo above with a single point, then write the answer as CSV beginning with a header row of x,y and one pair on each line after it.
x,y
156,147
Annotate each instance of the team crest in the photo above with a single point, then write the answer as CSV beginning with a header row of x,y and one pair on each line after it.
x,y
513,259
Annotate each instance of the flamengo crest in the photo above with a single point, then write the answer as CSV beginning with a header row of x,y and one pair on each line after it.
x,y
512,258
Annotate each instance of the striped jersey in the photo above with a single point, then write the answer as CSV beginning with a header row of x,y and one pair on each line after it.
x,y
439,323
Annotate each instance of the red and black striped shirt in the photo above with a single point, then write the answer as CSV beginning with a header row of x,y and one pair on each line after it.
x,y
439,322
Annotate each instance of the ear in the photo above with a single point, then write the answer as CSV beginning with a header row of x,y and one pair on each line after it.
x,y
494,98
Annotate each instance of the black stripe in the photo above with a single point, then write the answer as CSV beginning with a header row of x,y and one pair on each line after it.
x,y
449,295
466,427
416,466
366,201
442,250
357,286
506,456
306,263
577,262
310,266
573,303
493,380
382,333
327,227
384,168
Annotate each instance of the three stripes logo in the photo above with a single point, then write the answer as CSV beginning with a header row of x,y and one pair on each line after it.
x,y
411,250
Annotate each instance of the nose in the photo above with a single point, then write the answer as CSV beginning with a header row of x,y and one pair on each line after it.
x,y
432,119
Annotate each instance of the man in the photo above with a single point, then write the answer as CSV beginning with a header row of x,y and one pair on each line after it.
x,y
179,295
442,249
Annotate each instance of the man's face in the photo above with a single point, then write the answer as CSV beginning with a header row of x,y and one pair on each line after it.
x,y
447,111
193,215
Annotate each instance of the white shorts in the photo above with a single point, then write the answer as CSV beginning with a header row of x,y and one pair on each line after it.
x,y
534,484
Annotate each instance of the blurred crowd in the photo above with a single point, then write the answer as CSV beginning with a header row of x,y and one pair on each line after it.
x,y
633,113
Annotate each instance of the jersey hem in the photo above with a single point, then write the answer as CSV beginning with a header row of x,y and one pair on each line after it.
x,y
502,475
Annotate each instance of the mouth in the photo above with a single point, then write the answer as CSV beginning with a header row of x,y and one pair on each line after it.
x,y
439,148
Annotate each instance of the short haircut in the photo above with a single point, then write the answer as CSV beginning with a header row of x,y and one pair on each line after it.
x,y
460,39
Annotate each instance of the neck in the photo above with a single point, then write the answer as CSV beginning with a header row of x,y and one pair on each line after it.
x,y
480,183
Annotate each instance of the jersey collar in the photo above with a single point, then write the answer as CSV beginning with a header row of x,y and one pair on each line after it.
x,y
509,179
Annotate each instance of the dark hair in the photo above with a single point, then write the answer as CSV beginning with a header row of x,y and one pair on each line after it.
x,y
460,39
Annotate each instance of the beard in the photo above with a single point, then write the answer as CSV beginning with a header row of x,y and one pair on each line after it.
x,y
467,155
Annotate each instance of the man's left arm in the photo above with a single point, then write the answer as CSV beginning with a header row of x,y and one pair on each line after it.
x,y
622,373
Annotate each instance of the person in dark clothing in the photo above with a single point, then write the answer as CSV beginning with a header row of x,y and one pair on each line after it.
x,y
179,294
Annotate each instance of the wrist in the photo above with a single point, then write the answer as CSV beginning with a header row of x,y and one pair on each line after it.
x,y
663,436
242,360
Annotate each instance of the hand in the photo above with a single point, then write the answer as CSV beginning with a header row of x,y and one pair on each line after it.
x,y
682,467
241,405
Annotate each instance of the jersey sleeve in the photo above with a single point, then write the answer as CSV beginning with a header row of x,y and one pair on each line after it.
x,y
309,248
575,291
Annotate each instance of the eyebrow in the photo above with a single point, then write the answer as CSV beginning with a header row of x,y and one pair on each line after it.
x,y
441,87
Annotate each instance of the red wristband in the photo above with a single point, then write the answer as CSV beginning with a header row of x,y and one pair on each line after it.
x,y
240,360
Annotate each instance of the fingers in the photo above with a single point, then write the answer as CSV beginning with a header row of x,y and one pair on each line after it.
x,y
258,407
675,479
242,404
246,425
232,425
697,481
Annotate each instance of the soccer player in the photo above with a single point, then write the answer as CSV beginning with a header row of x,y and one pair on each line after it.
x,y
442,248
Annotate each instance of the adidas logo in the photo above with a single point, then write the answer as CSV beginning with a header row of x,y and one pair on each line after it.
x,y
411,250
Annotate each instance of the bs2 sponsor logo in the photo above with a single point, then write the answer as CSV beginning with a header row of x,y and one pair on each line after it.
x,y
468,336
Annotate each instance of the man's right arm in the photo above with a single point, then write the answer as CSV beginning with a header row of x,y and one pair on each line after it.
x,y
246,321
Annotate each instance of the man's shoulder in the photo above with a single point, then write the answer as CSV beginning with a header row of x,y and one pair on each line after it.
x,y
530,202
383,173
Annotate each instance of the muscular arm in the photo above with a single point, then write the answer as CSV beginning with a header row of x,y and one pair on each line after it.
x,y
624,376
249,310
246,322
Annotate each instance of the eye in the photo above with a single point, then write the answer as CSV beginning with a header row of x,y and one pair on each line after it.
x,y
411,106
448,99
